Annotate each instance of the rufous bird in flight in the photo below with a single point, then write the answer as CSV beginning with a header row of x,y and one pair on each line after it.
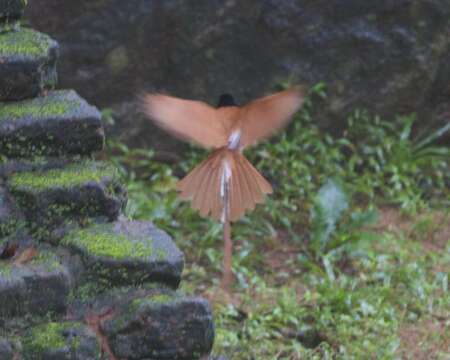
x,y
225,185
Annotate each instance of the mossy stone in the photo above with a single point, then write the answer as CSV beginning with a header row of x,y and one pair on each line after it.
x,y
60,340
6,350
39,286
60,123
10,217
100,242
127,252
24,43
153,298
164,327
28,64
75,174
78,191
10,12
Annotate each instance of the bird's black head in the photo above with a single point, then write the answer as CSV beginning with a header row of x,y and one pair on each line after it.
x,y
226,100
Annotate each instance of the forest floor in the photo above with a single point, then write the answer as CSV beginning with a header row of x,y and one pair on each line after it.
x,y
324,269
387,300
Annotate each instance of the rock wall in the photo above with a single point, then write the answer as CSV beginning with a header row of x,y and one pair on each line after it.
x,y
77,280
389,56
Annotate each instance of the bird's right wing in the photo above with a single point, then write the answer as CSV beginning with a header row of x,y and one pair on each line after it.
x,y
189,120
263,117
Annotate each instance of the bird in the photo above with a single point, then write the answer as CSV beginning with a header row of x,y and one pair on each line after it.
x,y
225,185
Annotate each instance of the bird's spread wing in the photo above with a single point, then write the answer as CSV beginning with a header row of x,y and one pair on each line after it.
x,y
189,120
264,116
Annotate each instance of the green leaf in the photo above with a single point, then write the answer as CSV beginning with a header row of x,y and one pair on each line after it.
x,y
329,205
433,136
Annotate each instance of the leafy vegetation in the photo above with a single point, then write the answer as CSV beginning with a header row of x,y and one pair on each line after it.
x,y
348,259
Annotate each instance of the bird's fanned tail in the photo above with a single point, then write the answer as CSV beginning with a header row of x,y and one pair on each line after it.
x,y
204,185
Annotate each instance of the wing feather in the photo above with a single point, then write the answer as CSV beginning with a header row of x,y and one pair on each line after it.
x,y
188,120
263,117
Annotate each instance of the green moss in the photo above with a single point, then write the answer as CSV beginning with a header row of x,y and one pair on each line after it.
x,y
161,298
37,108
161,254
5,269
49,336
47,259
44,259
158,299
72,175
101,241
8,227
9,25
25,42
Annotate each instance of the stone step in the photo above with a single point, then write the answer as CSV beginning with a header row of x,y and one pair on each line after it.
x,y
10,217
10,13
61,340
165,326
6,349
56,124
78,191
37,287
27,64
11,166
151,323
134,323
127,252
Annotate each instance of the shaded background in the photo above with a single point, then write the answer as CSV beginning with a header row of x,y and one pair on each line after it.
x,y
388,56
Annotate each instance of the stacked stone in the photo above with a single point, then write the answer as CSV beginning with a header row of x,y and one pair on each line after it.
x,y
77,280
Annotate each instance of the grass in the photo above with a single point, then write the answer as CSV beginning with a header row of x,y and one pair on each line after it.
x,y
388,283
369,281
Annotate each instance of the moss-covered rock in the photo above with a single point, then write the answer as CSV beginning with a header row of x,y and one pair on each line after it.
x,y
128,252
12,166
6,350
75,174
10,217
37,287
27,64
64,340
77,191
25,43
10,12
56,124
164,327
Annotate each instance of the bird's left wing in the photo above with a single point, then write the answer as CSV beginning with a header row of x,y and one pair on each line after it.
x,y
262,117
189,120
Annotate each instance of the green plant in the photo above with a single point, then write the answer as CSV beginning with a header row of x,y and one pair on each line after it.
x,y
315,281
390,162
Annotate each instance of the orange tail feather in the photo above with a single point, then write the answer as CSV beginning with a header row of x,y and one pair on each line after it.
x,y
203,185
